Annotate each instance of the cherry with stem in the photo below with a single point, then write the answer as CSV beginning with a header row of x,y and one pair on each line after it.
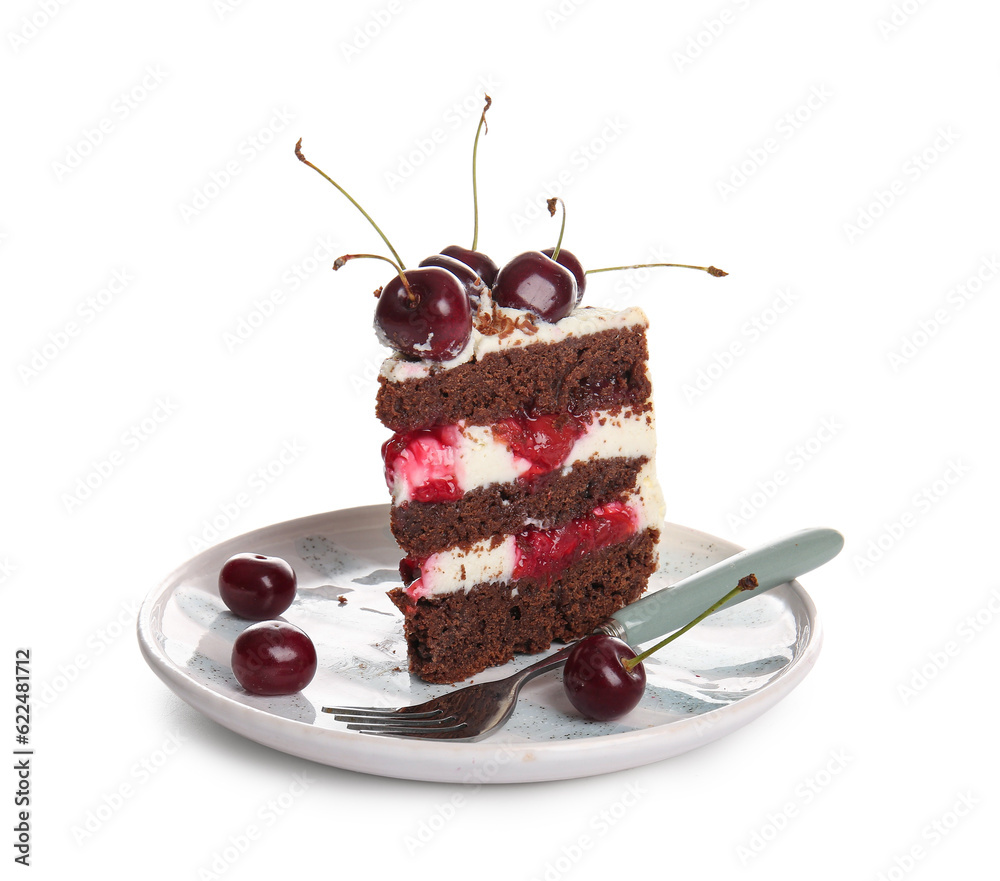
x,y
423,312
539,282
604,678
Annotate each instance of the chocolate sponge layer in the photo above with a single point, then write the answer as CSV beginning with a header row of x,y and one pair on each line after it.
x,y
455,636
425,528
600,370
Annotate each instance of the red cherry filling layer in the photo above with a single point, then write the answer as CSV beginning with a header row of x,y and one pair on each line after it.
x,y
427,460
546,552
543,441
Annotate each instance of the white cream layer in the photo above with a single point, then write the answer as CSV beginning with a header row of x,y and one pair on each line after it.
x,y
478,458
581,321
492,560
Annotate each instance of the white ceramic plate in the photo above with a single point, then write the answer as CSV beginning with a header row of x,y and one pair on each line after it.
x,y
725,672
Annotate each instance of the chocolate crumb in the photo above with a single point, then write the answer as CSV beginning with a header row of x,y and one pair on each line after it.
x,y
495,323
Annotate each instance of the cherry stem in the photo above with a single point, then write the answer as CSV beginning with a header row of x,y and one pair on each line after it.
x,y
412,297
562,229
475,192
350,198
747,583
711,270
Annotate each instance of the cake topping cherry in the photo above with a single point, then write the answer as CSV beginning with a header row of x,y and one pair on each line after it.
x,y
570,261
537,282
421,312
425,312
477,261
475,287
604,677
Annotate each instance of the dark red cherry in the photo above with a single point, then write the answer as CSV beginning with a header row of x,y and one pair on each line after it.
x,y
570,261
537,283
257,587
432,320
604,677
474,285
596,681
273,657
483,266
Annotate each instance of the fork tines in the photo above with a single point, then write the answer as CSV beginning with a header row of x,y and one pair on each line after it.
x,y
403,721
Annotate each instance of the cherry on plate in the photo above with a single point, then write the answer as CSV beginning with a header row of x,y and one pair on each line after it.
x,y
596,681
273,657
257,587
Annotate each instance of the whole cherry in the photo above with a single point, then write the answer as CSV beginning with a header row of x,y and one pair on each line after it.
x,y
273,657
598,683
538,284
604,677
256,586
570,261
475,287
477,261
424,313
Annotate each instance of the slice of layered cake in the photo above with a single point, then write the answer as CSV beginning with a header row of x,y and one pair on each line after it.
x,y
521,468
523,487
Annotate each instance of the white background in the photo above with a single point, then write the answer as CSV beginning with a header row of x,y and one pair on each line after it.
x,y
839,160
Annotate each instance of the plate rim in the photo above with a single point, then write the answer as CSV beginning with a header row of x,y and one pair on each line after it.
x,y
461,762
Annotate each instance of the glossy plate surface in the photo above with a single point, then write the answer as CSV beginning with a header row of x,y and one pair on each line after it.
x,y
718,677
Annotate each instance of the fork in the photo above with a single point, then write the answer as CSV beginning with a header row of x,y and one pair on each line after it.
x,y
476,711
